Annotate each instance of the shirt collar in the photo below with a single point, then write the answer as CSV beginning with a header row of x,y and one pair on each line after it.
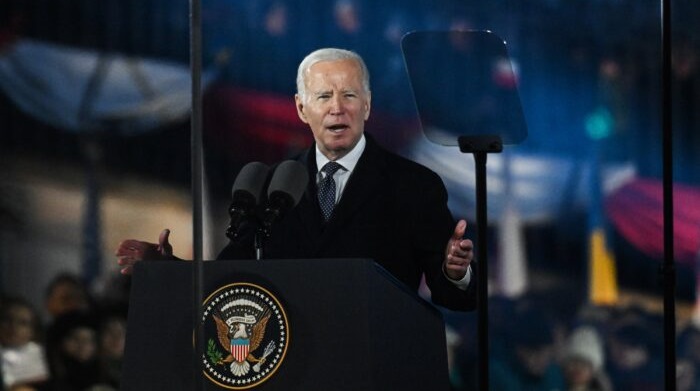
x,y
349,161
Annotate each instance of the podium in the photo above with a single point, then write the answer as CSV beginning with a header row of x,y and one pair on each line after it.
x,y
348,325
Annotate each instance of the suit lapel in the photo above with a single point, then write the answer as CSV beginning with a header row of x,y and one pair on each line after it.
x,y
308,210
361,188
367,177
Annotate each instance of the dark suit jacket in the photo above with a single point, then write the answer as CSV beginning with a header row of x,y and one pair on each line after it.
x,y
392,210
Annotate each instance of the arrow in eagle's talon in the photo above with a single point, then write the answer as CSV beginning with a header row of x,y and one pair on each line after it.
x,y
268,349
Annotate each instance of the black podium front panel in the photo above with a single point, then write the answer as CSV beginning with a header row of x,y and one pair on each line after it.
x,y
350,326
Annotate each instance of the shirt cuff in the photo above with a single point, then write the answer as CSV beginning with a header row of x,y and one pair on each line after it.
x,y
462,284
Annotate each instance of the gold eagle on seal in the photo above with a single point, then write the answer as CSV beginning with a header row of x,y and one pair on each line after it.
x,y
253,335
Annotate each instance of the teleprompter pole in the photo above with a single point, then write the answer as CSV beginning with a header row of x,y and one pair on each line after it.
x,y
480,147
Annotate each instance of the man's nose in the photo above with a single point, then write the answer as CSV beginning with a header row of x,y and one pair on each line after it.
x,y
336,105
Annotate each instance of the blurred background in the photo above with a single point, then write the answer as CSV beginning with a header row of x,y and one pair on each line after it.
x,y
95,148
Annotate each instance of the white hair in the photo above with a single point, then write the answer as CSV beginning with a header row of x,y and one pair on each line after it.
x,y
329,54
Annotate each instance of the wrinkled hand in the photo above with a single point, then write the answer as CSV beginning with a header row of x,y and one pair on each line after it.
x,y
131,251
459,253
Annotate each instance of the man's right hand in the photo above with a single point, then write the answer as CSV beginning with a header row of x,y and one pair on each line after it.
x,y
131,251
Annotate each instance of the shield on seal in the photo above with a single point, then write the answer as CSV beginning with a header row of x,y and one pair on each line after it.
x,y
240,348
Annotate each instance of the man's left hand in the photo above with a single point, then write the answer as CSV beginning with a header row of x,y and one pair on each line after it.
x,y
459,253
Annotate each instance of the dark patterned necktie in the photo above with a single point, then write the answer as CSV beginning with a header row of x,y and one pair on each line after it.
x,y
326,189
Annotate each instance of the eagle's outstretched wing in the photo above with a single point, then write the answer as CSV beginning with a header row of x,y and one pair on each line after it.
x,y
222,333
258,332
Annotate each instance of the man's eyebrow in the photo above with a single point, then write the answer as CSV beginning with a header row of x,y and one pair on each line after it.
x,y
326,92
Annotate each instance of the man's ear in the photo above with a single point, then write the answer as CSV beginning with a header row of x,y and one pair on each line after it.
x,y
300,108
368,106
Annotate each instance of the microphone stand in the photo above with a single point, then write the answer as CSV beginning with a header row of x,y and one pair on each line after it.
x,y
481,146
261,235
279,204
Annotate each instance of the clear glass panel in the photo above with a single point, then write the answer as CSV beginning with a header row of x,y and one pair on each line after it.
x,y
464,85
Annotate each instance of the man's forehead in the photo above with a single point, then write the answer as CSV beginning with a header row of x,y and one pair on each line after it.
x,y
335,69
350,62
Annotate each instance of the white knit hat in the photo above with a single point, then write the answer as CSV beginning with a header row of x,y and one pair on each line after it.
x,y
585,343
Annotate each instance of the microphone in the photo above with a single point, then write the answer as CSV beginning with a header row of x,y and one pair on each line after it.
x,y
246,192
285,190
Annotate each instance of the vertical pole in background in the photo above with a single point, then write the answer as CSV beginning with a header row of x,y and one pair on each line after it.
x,y
196,144
668,271
92,152
92,224
482,339
480,146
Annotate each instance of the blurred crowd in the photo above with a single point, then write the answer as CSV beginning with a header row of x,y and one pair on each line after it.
x,y
74,343
534,348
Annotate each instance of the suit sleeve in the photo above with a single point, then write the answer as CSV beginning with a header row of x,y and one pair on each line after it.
x,y
433,228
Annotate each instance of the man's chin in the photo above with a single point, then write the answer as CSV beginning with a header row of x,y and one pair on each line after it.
x,y
339,151
335,150
338,145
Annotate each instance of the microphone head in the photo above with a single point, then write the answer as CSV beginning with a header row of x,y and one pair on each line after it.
x,y
290,178
249,183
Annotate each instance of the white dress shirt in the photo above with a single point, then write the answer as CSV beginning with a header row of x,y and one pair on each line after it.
x,y
349,161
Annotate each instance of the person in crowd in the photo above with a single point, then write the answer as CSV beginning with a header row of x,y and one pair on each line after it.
x,y
454,340
583,359
689,342
362,201
66,293
23,360
71,345
634,360
688,361
686,375
110,347
463,371
529,365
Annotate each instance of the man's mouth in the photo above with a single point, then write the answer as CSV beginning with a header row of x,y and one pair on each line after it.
x,y
337,128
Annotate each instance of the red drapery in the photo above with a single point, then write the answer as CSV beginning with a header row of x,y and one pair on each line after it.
x,y
636,211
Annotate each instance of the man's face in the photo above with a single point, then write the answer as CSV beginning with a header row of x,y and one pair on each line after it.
x,y
335,107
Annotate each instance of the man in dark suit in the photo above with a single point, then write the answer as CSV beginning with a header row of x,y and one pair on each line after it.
x,y
364,202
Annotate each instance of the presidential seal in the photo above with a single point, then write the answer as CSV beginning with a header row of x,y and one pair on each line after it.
x,y
246,336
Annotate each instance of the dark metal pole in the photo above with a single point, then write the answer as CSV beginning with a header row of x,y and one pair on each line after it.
x,y
196,144
481,146
482,271
669,271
